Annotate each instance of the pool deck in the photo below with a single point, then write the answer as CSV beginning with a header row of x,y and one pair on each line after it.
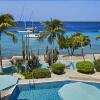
x,y
69,75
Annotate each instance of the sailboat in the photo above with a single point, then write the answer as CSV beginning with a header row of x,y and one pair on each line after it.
x,y
33,31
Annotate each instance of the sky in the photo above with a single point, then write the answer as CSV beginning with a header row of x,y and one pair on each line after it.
x,y
41,10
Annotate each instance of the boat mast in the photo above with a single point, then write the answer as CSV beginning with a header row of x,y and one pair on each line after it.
x,y
23,42
31,19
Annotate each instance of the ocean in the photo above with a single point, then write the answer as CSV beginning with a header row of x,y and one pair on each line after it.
x,y
91,29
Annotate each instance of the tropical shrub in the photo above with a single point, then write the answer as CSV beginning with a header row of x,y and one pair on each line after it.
x,y
2,73
28,75
85,67
97,65
49,56
41,73
58,68
17,63
33,63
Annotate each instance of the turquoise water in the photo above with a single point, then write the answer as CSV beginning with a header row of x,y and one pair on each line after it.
x,y
10,49
88,28
41,91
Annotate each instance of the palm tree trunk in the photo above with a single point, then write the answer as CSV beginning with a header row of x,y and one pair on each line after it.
x,y
26,48
0,52
82,53
68,52
52,50
23,48
0,55
72,51
94,59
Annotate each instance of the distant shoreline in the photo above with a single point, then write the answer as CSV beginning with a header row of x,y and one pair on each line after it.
x,y
62,21
75,55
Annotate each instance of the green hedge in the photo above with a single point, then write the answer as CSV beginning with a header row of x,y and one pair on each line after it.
x,y
97,65
85,67
58,68
41,73
28,75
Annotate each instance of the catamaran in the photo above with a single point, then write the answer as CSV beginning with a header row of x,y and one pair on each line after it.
x,y
34,32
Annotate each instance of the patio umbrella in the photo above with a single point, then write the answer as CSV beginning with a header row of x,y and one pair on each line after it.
x,y
7,81
79,91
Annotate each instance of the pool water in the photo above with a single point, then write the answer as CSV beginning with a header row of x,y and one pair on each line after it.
x,y
8,70
41,91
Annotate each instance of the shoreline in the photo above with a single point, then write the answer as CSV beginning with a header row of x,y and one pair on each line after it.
x,y
63,57
63,54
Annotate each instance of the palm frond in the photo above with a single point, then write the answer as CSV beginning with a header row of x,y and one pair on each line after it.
x,y
4,26
50,39
14,38
9,33
6,21
59,30
6,18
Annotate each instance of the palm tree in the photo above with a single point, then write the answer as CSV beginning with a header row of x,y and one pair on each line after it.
x,y
75,41
6,22
53,29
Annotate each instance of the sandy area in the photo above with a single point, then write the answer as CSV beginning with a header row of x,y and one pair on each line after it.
x,y
70,74
68,58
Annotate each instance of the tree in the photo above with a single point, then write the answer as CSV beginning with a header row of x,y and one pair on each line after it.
x,y
64,43
75,41
6,22
53,29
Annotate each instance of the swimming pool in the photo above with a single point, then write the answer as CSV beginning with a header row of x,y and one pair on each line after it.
x,y
8,70
41,91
